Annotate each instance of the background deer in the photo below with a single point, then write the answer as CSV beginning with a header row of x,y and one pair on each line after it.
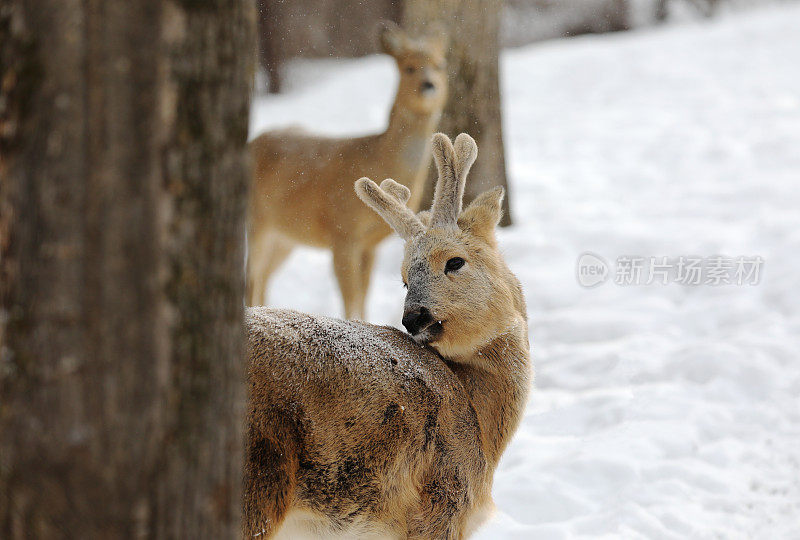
x,y
300,192
358,430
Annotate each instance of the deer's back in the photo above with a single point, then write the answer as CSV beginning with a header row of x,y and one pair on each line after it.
x,y
303,184
380,426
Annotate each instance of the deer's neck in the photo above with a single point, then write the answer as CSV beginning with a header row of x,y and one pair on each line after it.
x,y
497,379
407,139
405,124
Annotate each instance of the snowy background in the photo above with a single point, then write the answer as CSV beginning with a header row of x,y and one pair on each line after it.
x,y
661,411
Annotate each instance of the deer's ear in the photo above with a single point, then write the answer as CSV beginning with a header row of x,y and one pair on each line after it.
x,y
483,214
391,37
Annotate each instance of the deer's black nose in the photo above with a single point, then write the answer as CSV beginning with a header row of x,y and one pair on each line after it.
x,y
417,319
426,85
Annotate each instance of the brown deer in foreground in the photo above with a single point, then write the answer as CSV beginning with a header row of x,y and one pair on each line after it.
x,y
362,431
300,194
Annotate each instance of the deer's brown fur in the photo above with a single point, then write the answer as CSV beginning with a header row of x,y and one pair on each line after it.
x,y
301,192
363,431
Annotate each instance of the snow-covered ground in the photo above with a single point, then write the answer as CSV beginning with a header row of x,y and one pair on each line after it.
x,y
660,411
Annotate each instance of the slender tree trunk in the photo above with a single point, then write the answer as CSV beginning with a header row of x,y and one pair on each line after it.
x,y
122,183
269,44
661,11
473,105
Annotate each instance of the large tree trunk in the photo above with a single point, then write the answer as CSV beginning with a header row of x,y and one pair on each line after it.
x,y
122,184
473,105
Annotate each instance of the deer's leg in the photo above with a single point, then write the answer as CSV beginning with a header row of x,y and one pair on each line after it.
x,y
271,465
367,262
347,260
443,506
265,255
436,528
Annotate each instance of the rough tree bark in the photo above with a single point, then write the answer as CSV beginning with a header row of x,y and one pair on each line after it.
x,y
474,94
123,176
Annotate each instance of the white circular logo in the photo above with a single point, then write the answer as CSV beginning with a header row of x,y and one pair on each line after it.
x,y
591,270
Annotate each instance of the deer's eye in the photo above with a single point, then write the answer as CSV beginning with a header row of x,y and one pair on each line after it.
x,y
453,264
410,69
